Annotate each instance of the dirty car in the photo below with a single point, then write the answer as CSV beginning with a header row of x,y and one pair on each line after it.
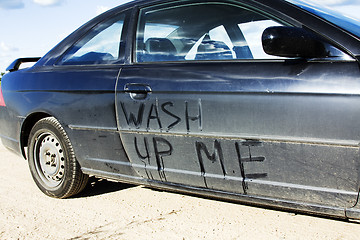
x,y
251,101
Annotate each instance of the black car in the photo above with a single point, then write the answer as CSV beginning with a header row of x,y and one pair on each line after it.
x,y
256,101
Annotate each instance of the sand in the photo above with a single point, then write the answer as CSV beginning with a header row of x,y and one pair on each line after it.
x,y
107,210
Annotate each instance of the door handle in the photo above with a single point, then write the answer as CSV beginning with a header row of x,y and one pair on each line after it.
x,y
137,91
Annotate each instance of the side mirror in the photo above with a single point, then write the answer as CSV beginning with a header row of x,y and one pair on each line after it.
x,y
293,42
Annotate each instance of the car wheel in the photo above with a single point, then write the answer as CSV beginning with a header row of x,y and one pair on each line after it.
x,y
52,161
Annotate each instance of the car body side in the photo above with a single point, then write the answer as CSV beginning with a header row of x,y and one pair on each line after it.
x,y
87,102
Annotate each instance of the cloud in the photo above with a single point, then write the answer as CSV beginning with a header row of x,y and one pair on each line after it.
x,y
7,55
11,4
48,3
5,49
101,9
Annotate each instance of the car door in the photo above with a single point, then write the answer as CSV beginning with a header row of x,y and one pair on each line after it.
x,y
204,106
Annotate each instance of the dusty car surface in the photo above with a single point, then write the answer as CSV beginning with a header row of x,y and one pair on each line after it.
x,y
253,101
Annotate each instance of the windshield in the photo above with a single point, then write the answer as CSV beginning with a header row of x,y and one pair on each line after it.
x,y
351,25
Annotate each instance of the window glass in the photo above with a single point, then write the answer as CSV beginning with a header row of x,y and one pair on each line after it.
x,y
158,30
202,31
217,34
101,46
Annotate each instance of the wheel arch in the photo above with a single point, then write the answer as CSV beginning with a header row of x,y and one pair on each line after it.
x,y
26,127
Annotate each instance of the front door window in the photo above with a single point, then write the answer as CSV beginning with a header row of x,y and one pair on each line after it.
x,y
204,31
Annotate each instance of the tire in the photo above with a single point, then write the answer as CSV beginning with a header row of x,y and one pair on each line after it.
x,y
52,161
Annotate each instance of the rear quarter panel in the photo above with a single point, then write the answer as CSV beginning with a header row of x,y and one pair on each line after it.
x,y
82,99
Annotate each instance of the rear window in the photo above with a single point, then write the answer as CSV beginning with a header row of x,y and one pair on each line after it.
x,y
102,45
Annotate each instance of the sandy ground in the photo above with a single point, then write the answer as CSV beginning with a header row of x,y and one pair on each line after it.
x,y
109,210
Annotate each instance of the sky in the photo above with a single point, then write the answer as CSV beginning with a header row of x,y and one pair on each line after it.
x,y
30,28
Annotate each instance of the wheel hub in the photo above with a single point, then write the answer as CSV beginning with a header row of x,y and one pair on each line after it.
x,y
50,160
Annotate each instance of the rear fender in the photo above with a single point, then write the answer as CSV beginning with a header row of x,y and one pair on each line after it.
x,y
26,127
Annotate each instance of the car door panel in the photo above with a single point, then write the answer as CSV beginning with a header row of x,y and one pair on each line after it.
x,y
259,128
